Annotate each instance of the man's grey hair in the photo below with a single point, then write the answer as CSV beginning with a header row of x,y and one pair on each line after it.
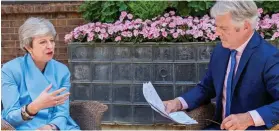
x,y
240,11
33,27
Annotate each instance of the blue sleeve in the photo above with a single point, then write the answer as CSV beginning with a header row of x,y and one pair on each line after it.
x,y
270,112
10,98
203,92
61,112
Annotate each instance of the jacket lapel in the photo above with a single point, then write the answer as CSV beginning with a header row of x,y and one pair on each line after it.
x,y
36,81
247,53
49,75
221,68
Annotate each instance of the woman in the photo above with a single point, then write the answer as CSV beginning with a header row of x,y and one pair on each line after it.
x,y
35,88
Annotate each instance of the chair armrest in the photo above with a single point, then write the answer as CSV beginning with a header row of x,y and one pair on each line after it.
x,y
6,126
200,114
87,114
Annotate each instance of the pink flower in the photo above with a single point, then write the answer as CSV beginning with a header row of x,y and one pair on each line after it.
x,y
179,30
156,35
130,16
179,22
164,33
103,30
117,22
150,36
138,20
97,29
98,23
175,35
196,20
90,36
200,33
275,35
123,14
118,38
194,27
153,24
166,14
172,13
68,37
136,33
162,19
105,35
130,27
195,33
205,26
172,31
188,32
213,37
91,25
168,19
110,31
129,34
124,34
76,35
172,25
100,36
260,11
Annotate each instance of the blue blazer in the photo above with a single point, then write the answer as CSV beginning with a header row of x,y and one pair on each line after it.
x,y
22,83
255,85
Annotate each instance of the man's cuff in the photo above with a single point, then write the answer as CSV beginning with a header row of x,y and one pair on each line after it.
x,y
183,103
258,120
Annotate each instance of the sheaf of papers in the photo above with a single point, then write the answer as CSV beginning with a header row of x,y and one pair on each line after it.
x,y
156,104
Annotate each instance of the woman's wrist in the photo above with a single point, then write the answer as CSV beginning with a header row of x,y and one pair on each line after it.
x,y
32,108
25,115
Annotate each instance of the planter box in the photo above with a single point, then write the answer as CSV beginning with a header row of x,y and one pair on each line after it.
x,y
113,74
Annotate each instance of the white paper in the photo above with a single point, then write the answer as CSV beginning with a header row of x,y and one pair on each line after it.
x,y
152,97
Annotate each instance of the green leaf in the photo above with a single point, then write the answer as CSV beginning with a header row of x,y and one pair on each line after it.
x,y
122,6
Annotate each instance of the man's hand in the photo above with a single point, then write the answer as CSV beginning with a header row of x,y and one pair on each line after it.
x,y
45,127
172,105
237,122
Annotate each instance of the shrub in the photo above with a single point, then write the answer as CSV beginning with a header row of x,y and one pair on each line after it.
x,y
147,9
103,11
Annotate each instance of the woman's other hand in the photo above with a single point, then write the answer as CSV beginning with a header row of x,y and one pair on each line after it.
x,y
46,100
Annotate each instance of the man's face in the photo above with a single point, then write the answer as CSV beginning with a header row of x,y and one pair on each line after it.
x,y
231,36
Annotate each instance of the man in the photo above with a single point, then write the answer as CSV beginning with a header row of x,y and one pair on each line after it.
x,y
243,73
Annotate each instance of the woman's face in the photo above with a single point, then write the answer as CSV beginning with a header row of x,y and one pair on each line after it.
x,y
42,49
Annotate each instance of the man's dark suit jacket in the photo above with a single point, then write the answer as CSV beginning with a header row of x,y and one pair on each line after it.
x,y
255,85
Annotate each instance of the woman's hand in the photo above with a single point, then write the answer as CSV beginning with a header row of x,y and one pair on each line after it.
x,y
46,100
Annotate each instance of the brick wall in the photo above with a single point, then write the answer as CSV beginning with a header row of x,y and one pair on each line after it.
x,y
63,15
